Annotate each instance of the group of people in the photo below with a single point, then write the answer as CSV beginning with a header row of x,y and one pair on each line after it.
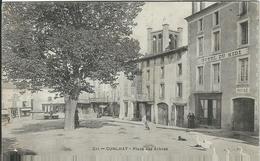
x,y
191,120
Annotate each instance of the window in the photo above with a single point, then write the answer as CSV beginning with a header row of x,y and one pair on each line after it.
x,y
244,33
216,41
179,89
179,69
200,24
175,41
49,98
216,73
160,47
162,90
243,70
162,72
162,60
148,91
147,63
216,18
154,44
172,41
25,103
200,75
200,45
243,8
148,75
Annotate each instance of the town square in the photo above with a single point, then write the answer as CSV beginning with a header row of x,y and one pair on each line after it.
x,y
141,81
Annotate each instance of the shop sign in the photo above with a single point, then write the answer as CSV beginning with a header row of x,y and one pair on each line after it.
x,y
242,90
222,56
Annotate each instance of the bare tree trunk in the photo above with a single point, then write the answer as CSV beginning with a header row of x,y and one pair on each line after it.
x,y
70,108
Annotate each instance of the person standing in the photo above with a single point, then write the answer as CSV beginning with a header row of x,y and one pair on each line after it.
x,y
189,120
146,126
76,119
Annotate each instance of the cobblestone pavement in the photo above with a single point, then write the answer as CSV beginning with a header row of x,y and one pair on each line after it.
x,y
109,136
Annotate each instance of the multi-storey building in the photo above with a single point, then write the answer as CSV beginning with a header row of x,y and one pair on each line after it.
x,y
224,53
19,102
164,78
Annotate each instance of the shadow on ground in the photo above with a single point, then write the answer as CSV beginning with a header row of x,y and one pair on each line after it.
x,y
245,138
59,124
38,127
96,123
9,147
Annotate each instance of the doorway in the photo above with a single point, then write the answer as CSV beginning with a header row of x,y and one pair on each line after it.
x,y
148,112
208,111
126,108
180,116
243,114
162,114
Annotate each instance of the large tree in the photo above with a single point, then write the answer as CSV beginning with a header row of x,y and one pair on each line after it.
x,y
61,45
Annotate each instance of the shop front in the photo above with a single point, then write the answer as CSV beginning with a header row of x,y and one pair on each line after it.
x,y
208,109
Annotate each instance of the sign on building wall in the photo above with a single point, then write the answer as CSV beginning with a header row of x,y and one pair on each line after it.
x,y
222,56
242,89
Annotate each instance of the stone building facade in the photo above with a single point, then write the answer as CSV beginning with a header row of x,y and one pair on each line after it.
x,y
223,47
164,78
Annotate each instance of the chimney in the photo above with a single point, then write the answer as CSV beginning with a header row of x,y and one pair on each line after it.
x,y
179,41
202,5
165,36
194,7
149,40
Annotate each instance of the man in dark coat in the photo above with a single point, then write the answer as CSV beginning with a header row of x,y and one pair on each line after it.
x,y
76,119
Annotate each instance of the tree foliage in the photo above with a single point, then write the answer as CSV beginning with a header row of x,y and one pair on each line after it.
x,y
61,45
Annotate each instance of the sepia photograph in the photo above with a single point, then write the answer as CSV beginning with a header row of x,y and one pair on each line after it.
x,y
130,80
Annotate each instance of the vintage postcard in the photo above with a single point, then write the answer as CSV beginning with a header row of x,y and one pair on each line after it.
x,y
130,81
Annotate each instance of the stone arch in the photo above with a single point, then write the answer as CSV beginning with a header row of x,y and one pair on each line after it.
x,y
163,109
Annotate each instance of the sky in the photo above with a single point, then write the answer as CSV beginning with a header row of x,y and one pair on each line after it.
x,y
154,14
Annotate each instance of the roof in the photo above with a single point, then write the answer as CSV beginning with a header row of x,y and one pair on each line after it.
x,y
205,10
178,50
